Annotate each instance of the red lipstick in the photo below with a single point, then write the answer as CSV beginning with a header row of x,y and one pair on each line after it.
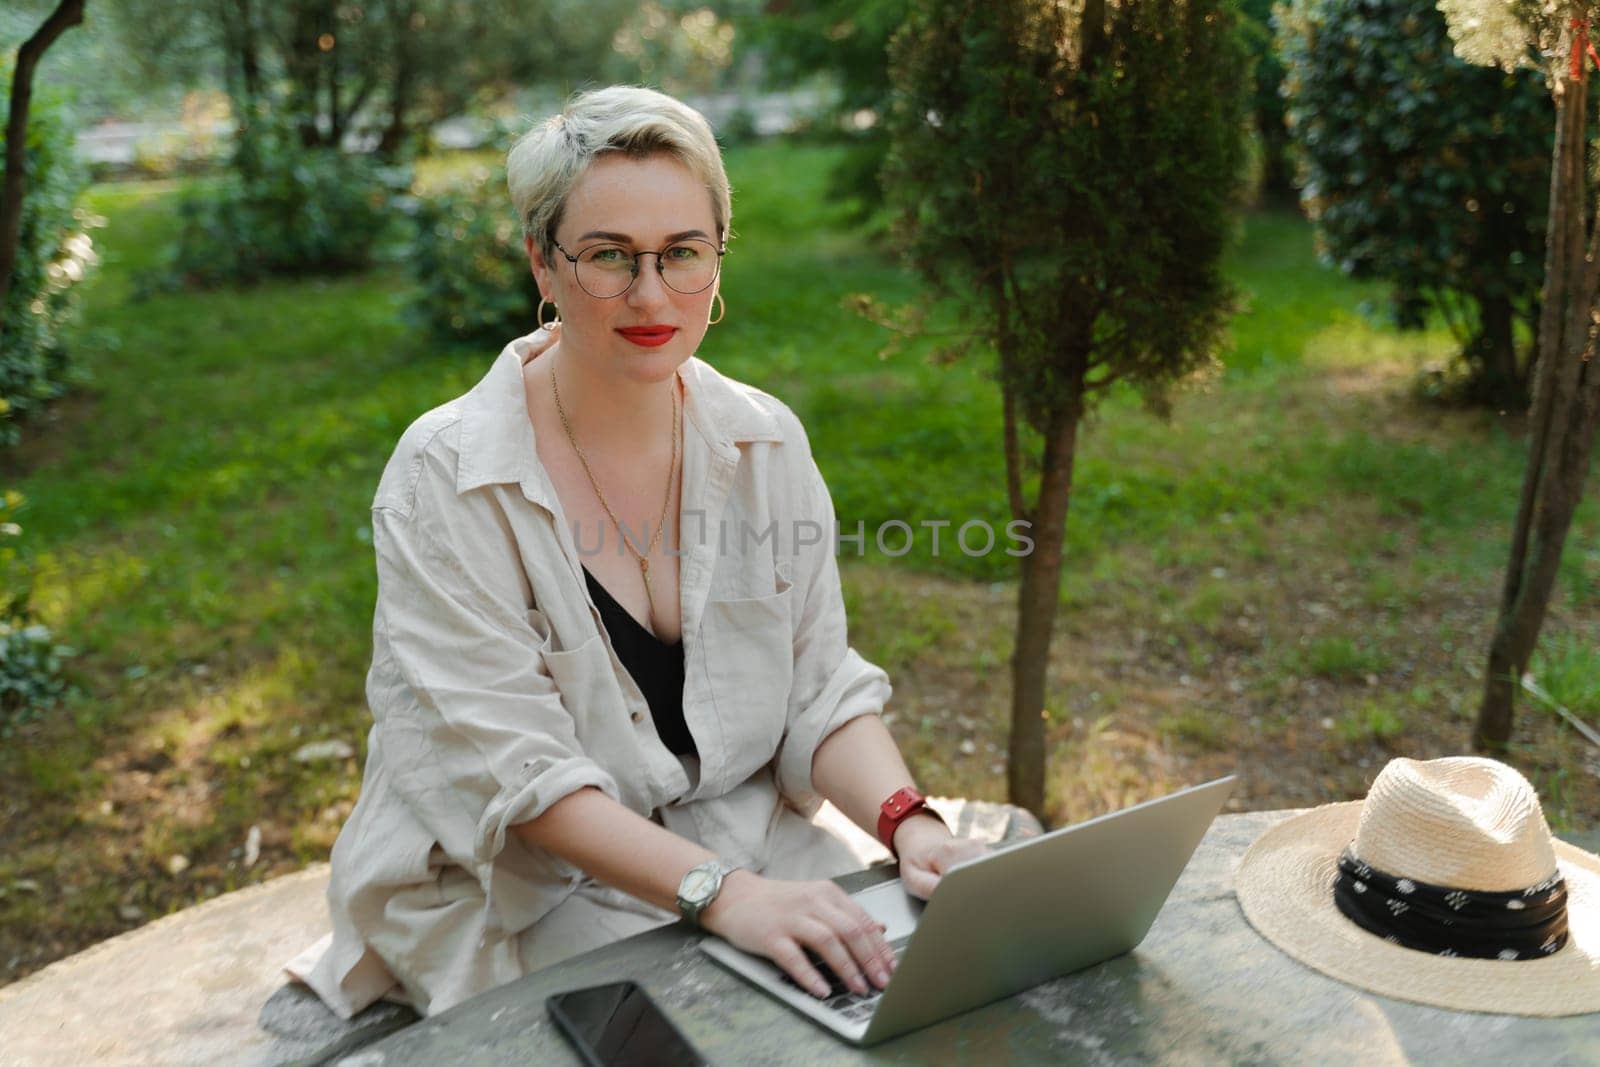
x,y
649,336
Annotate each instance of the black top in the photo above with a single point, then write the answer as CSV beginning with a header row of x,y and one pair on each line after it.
x,y
656,667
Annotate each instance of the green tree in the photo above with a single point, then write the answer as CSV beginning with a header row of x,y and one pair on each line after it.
x,y
41,258
308,77
382,69
847,41
50,252
684,46
1551,39
1266,103
1424,170
13,181
1069,180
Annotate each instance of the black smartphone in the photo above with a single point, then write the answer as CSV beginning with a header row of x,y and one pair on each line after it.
x,y
618,1025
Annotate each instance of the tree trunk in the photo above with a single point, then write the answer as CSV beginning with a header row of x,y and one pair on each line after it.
x,y
1037,600
394,132
242,66
239,41
1493,356
1561,433
303,63
67,14
249,54
1039,595
1517,634
330,66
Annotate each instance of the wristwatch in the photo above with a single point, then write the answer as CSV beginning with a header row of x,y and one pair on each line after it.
x,y
700,887
901,805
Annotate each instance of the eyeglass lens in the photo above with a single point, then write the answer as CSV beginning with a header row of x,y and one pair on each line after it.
x,y
607,270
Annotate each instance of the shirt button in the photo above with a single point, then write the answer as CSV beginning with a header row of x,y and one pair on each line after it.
x,y
638,716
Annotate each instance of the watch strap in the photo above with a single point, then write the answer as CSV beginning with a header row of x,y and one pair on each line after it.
x,y
692,909
901,805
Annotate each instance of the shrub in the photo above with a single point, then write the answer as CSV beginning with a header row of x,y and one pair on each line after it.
x,y
30,673
1423,170
1274,165
54,253
285,209
30,659
473,281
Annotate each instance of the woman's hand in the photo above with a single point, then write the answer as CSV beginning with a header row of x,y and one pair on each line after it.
x,y
781,920
927,850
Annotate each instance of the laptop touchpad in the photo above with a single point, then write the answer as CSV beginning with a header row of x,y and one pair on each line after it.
x,y
891,905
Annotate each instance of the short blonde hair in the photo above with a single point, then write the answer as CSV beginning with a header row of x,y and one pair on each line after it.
x,y
547,161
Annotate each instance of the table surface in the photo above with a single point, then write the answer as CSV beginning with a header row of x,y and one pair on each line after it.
x,y
1203,987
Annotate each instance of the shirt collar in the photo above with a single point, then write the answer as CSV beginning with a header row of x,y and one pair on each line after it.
x,y
497,439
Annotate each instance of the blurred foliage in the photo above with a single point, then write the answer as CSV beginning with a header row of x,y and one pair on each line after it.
x,y
845,39
91,70
1277,166
199,141
30,662
472,277
31,681
681,45
376,73
30,673
1078,208
846,42
54,253
1425,171
287,209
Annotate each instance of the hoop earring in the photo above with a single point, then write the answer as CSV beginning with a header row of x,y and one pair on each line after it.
x,y
722,310
539,317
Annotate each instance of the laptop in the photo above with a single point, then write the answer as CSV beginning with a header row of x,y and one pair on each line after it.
x,y
1025,913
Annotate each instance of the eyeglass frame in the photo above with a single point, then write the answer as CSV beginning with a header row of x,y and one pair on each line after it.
x,y
570,258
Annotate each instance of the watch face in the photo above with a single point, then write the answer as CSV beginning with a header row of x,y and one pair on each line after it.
x,y
698,884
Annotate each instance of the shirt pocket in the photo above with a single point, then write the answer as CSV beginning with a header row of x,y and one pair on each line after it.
x,y
592,694
588,689
748,655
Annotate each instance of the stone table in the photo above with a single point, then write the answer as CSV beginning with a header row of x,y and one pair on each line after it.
x,y
205,986
1202,988
201,986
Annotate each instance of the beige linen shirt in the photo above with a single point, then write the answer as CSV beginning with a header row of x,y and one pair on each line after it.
x,y
495,692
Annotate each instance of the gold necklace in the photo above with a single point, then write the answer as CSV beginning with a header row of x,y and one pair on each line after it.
x,y
644,559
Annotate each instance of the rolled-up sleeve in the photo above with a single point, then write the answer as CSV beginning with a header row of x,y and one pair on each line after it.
x,y
833,683
466,709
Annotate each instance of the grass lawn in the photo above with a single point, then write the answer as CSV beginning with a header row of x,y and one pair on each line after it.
x,y
1294,577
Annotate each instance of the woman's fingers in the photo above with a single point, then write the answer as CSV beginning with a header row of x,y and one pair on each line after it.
x,y
962,849
919,881
863,936
820,926
826,942
788,955
920,874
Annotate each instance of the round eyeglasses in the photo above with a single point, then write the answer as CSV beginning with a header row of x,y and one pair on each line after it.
x,y
608,270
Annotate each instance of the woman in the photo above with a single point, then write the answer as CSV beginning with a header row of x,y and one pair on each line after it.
x,y
610,678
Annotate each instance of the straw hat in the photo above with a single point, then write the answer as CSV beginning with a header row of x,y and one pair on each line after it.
x,y
1452,856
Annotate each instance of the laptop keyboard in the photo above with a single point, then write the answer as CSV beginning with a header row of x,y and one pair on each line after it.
x,y
853,1006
